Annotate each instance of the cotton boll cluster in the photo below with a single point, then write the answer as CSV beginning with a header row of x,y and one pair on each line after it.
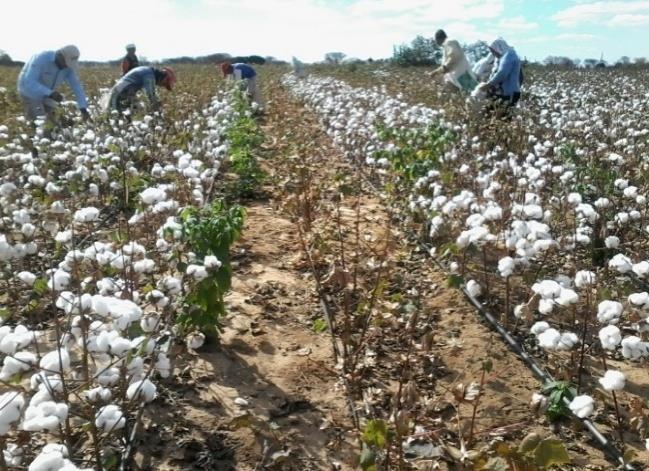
x,y
582,406
613,380
11,405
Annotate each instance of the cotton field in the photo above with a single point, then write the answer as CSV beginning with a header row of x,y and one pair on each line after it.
x,y
293,290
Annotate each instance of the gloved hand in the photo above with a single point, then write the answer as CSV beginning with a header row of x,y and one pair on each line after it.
x,y
85,115
56,96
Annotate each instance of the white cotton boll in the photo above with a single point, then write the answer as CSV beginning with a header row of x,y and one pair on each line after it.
x,y
621,263
135,367
17,363
162,245
547,289
144,266
88,214
641,269
56,361
632,348
153,196
199,272
119,346
59,280
150,322
211,261
621,184
110,418
143,390
195,340
582,406
539,327
98,394
639,300
549,339
473,288
610,337
546,306
630,192
574,198
13,455
506,266
584,278
170,284
612,242
519,310
567,297
11,404
47,415
163,365
609,311
567,341
146,344
602,203
52,461
108,377
27,277
28,229
613,380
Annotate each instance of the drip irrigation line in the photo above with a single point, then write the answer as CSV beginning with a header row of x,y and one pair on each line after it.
x,y
538,371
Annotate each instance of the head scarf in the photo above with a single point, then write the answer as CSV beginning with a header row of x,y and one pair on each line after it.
x,y
500,46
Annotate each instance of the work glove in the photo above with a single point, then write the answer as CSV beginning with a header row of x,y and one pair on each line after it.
x,y
85,115
56,96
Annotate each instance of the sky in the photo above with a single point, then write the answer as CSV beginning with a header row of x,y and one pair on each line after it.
x,y
308,29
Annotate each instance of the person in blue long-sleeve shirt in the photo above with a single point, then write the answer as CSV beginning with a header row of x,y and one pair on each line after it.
x,y
42,75
123,93
245,72
505,81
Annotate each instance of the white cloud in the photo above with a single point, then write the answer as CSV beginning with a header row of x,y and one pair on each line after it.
x,y
617,13
516,24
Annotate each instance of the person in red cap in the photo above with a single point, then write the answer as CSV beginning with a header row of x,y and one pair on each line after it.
x,y
245,72
124,91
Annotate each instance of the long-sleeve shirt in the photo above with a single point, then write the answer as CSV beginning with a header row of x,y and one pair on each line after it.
x,y
507,74
135,80
243,71
41,76
454,59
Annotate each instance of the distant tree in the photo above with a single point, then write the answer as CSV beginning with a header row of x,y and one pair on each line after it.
x,y
334,57
560,61
624,60
5,59
476,51
421,51
590,63
640,60
577,62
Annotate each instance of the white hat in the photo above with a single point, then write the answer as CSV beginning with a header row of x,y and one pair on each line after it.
x,y
70,55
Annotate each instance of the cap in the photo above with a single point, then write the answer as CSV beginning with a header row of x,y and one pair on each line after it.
x,y
130,46
70,55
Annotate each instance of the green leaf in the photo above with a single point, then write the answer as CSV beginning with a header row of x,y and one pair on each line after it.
x,y
529,443
487,366
550,452
454,281
630,455
40,286
376,433
4,314
368,458
319,325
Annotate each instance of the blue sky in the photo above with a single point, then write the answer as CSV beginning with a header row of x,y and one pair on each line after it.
x,y
310,28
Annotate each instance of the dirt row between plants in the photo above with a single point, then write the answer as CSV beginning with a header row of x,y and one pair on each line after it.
x,y
270,395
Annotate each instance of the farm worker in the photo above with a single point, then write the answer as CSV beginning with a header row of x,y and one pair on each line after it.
x,y
41,76
245,72
298,68
122,94
505,81
482,69
455,65
130,60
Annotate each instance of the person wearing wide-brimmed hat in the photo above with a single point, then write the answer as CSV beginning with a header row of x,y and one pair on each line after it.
x,y
122,94
42,75
130,60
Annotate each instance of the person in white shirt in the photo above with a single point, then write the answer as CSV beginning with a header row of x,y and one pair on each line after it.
x,y
455,66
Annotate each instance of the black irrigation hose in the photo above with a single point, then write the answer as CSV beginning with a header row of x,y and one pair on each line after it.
x,y
538,371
